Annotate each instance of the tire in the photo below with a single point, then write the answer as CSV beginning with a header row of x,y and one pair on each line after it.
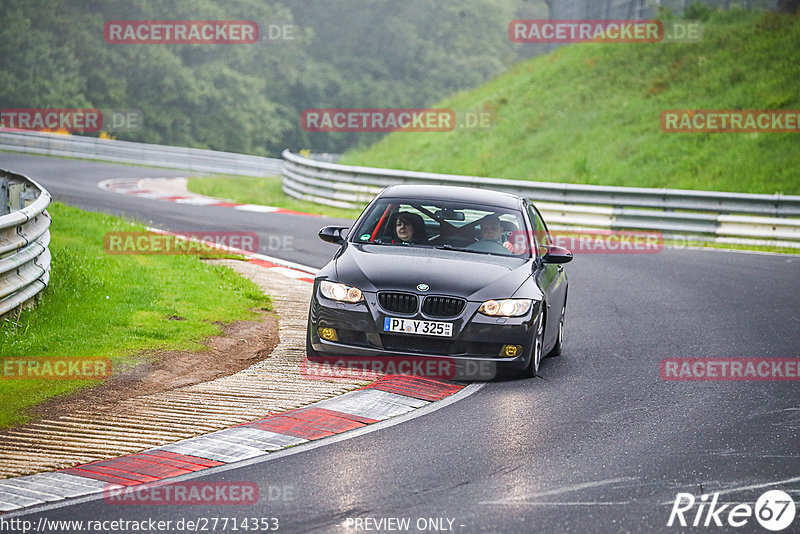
x,y
310,352
536,350
556,350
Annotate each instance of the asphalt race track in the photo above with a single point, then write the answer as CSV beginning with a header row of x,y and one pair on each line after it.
x,y
598,443
75,182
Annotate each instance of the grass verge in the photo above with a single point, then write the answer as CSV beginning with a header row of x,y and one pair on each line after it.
x,y
589,114
115,306
264,191
736,247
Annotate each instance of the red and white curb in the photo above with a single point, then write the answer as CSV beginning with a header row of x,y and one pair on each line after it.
x,y
388,397
286,268
176,191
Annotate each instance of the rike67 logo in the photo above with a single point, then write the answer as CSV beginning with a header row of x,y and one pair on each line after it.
x,y
774,510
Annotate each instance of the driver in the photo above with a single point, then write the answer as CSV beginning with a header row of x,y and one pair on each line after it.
x,y
410,228
492,230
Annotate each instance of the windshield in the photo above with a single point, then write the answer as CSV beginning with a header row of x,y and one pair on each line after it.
x,y
460,226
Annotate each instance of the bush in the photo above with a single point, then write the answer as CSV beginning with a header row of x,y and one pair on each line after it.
x,y
698,11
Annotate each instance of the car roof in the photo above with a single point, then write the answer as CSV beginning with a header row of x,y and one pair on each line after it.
x,y
450,192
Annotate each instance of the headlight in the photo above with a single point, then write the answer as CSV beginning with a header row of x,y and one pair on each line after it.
x,y
340,292
506,308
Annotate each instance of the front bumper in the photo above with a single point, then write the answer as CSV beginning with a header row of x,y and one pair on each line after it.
x,y
475,346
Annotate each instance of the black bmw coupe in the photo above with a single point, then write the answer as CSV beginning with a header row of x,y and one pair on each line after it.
x,y
433,272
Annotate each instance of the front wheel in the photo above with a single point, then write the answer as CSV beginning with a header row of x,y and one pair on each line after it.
x,y
536,352
310,352
556,350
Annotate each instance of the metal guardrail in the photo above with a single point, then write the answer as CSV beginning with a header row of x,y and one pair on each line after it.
x,y
675,212
190,159
24,240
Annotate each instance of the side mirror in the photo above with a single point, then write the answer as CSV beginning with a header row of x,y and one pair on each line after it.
x,y
557,254
333,234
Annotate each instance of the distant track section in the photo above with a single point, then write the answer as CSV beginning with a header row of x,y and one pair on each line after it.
x,y
172,157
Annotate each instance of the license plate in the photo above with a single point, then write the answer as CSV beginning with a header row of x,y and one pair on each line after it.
x,y
413,326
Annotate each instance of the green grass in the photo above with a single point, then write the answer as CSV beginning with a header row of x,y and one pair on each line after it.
x,y
263,191
736,247
589,113
116,306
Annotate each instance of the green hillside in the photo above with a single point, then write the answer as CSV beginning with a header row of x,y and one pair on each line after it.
x,y
589,113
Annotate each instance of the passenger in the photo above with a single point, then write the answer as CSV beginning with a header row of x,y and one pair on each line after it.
x,y
492,230
410,228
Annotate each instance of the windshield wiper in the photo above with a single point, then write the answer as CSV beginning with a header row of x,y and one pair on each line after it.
x,y
451,247
378,243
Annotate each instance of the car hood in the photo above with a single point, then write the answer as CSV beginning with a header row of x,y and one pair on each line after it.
x,y
399,268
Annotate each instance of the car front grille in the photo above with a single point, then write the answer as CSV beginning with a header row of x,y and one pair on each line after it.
x,y
398,302
439,346
443,306
416,344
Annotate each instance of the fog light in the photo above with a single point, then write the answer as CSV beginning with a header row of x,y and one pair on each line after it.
x,y
510,351
328,334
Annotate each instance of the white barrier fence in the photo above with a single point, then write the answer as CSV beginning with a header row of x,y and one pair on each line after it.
x,y
24,240
679,214
189,159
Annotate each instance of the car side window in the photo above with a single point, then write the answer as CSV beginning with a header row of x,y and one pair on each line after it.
x,y
542,235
